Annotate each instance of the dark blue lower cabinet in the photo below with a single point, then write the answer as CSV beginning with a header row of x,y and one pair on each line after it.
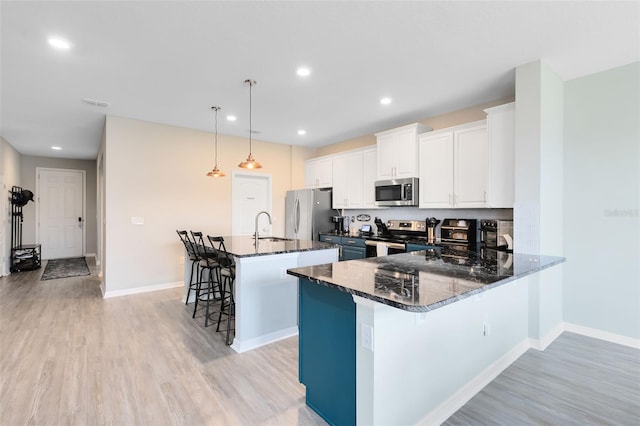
x,y
418,247
327,351
351,253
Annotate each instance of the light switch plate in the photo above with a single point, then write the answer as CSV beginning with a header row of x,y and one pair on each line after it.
x,y
137,220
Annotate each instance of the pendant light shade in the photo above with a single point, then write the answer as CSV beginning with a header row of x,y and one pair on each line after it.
x,y
216,171
250,163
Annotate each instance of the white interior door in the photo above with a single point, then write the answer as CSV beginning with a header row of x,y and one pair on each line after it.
x,y
61,213
251,195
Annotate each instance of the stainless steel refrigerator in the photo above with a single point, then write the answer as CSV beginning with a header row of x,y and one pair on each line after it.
x,y
307,212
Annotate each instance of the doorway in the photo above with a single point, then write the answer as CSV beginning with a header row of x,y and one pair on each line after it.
x,y
60,212
251,194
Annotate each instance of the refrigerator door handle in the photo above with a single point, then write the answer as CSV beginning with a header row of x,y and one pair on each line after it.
x,y
297,216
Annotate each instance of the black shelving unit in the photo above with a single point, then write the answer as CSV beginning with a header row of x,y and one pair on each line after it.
x,y
23,257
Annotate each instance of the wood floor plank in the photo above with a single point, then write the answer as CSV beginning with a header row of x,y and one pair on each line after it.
x,y
70,357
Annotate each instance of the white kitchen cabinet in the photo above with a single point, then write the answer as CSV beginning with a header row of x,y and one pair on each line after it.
x,y
348,180
318,172
470,167
436,170
369,177
398,151
502,134
454,167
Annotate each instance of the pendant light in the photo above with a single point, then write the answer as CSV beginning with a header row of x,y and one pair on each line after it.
x,y
216,171
250,163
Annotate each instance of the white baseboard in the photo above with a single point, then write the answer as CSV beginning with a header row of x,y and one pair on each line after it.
x,y
91,255
145,289
102,288
249,344
602,335
443,411
543,343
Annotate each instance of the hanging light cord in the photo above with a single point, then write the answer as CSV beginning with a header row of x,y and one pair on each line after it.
x,y
216,109
251,83
216,129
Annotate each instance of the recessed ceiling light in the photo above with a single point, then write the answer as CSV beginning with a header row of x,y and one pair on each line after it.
x,y
302,132
303,72
231,118
385,101
56,148
59,43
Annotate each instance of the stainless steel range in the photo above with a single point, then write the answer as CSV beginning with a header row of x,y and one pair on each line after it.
x,y
393,236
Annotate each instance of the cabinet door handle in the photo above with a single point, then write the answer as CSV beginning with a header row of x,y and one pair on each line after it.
x,y
450,202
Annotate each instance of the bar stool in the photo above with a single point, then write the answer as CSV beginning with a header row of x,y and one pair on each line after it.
x,y
228,275
193,258
208,291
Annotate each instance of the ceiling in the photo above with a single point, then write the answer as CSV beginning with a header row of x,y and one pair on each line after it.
x,y
169,62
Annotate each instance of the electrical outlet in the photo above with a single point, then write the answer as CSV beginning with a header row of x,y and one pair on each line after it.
x,y
366,336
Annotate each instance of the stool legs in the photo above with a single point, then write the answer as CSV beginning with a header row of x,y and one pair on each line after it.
x,y
191,286
227,307
214,287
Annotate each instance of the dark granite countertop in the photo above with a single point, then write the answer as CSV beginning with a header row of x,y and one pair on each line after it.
x,y
245,246
425,280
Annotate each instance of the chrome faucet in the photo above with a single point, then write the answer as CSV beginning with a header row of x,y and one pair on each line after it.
x,y
256,236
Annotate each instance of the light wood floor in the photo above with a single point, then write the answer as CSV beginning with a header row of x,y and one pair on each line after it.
x,y
577,380
69,357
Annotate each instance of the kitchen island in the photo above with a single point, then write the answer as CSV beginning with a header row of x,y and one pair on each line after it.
x,y
266,297
403,339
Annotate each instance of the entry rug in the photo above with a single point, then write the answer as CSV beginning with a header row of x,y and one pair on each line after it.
x,y
65,268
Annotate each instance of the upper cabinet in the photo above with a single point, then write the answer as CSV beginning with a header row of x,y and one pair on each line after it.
x,y
348,180
319,172
470,165
453,167
370,175
354,176
501,127
398,152
436,170
470,149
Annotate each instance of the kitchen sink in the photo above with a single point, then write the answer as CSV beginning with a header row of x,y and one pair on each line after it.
x,y
274,239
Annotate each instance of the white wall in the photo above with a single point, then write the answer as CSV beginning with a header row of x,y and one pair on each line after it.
x,y
10,175
602,188
158,172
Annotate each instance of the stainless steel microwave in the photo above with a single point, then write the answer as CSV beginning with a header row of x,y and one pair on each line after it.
x,y
397,192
